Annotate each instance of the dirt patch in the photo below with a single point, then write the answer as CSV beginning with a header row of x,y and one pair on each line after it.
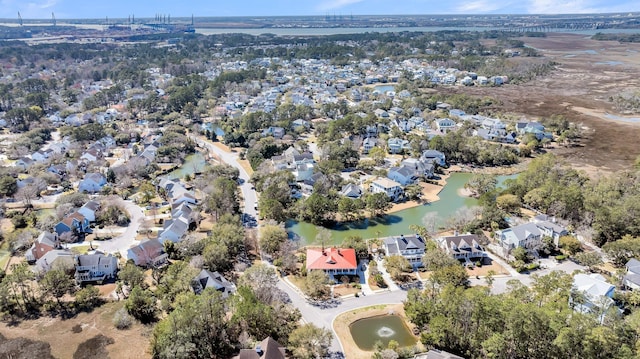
x,y
22,348
585,79
94,348
342,321
63,341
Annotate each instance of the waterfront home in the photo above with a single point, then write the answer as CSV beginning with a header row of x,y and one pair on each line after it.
x,y
95,267
404,175
421,167
351,190
206,279
411,247
462,247
550,228
333,261
147,254
434,156
526,235
596,294
389,187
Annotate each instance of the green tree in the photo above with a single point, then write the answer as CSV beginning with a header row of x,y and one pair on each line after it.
x,y
570,244
590,259
358,244
88,298
455,275
147,191
315,285
378,155
8,186
413,192
271,238
508,203
480,184
397,266
132,276
141,304
310,342
56,283
377,203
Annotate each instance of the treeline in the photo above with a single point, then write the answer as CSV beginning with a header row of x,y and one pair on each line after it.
x,y
617,37
526,322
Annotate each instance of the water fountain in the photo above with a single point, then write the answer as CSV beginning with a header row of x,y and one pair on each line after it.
x,y
385,328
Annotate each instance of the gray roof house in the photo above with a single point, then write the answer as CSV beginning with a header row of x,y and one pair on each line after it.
x,y
596,292
95,267
53,259
526,235
215,280
351,190
404,174
411,247
465,246
631,280
437,354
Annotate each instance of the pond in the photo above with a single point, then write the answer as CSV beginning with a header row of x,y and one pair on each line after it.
x,y
366,332
192,163
397,223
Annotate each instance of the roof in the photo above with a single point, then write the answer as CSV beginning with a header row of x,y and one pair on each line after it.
x,y
267,349
331,258
151,247
214,280
437,354
466,243
92,205
47,238
515,234
592,285
404,243
56,257
84,260
386,183
633,266
403,170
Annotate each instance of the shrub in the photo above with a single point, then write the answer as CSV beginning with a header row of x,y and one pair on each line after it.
x,y
122,320
561,257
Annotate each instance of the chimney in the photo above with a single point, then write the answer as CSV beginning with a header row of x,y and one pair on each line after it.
x,y
259,350
455,233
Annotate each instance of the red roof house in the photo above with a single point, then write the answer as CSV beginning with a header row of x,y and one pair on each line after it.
x,y
332,260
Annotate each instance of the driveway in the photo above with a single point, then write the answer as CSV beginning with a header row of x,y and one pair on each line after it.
x,y
127,239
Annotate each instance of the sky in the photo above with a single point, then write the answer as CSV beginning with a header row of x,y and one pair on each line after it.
x,y
178,8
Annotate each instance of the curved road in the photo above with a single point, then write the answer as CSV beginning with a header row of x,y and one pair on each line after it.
x,y
124,241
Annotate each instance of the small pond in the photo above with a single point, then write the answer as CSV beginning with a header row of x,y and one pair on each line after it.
x,y
192,163
366,332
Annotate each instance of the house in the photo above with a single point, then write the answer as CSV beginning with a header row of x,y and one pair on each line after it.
x,y
389,187
436,157
462,247
24,163
215,280
333,261
148,254
526,235
174,230
95,267
420,167
397,145
267,349
445,125
631,280
351,190
55,259
596,294
276,132
89,209
550,228
75,223
92,183
41,156
91,155
368,144
45,242
411,247
404,175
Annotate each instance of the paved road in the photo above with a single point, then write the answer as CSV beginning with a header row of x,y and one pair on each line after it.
x,y
324,316
124,241
231,158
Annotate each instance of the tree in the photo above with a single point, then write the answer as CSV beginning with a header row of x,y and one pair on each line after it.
x,y
198,328
588,259
508,203
480,184
271,238
56,283
141,304
378,155
397,265
310,342
147,191
131,275
570,244
8,186
315,285
413,192
520,254
87,298
377,203
455,275
358,244
263,280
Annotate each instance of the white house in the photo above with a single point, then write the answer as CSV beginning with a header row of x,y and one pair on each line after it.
x,y
89,209
445,125
526,235
215,280
462,247
92,183
411,247
596,294
404,175
95,267
389,187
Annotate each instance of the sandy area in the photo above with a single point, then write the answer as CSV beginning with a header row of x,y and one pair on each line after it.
x,y
341,327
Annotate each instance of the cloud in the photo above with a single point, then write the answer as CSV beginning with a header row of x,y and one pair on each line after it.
x,y
335,4
478,6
